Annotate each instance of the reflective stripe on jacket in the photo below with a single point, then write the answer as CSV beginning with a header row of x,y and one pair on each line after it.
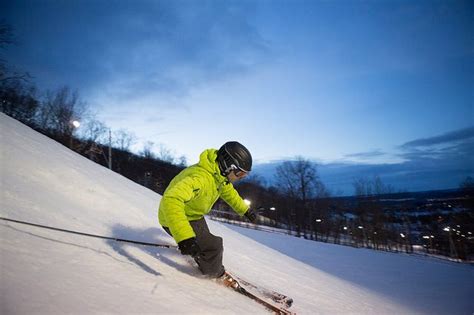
x,y
193,192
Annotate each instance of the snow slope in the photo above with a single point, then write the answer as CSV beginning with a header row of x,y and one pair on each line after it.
x,y
49,272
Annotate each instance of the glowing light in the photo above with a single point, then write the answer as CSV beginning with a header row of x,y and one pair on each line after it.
x,y
76,124
402,235
247,202
273,208
319,220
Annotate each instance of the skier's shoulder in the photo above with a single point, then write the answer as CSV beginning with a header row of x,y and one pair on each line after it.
x,y
197,174
196,170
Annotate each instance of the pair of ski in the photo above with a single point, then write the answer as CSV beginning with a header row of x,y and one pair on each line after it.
x,y
273,301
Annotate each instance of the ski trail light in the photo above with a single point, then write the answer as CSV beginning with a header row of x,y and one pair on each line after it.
x,y
319,220
272,208
345,228
446,229
247,202
73,124
402,235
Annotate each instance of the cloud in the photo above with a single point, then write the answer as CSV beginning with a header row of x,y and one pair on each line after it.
x,y
128,50
451,150
438,162
365,155
449,137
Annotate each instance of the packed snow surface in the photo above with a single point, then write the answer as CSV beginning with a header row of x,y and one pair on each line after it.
x,y
50,272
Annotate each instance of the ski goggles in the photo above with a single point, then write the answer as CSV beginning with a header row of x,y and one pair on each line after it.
x,y
239,172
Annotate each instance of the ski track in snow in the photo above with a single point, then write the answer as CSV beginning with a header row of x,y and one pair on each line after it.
x,y
51,272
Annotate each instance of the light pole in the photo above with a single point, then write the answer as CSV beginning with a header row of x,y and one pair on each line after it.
x,y
74,124
364,237
317,228
345,234
452,248
110,148
429,238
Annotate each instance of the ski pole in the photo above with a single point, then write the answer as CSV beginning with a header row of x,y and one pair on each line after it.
x,y
89,235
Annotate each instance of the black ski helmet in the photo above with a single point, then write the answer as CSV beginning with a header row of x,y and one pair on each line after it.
x,y
233,155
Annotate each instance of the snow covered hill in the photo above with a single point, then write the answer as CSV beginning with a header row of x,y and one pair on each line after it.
x,y
49,272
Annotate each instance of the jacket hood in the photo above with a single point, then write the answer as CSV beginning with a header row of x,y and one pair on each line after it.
x,y
207,160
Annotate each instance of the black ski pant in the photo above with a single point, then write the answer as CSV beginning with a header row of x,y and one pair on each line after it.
x,y
212,249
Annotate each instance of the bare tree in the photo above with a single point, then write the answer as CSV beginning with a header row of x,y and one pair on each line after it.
x,y
375,187
299,181
123,139
381,188
182,161
7,38
59,109
370,213
18,100
467,186
95,131
362,187
297,178
147,151
165,154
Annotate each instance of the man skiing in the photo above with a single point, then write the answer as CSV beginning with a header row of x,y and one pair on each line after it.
x,y
191,195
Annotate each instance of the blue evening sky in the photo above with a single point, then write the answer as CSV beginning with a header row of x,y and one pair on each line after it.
x,y
372,82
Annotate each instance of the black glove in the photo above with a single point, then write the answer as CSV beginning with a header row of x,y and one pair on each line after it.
x,y
189,247
251,215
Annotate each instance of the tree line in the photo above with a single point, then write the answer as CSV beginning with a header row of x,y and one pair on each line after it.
x,y
438,223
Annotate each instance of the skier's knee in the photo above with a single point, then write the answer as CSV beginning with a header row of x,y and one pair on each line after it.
x,y
219,243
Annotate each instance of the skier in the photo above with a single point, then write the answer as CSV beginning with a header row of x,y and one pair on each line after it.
x,y
191,194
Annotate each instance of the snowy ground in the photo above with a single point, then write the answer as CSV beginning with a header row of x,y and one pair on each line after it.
x,y
49,272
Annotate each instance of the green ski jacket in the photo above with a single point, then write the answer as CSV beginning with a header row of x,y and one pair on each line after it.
x,y
193,192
